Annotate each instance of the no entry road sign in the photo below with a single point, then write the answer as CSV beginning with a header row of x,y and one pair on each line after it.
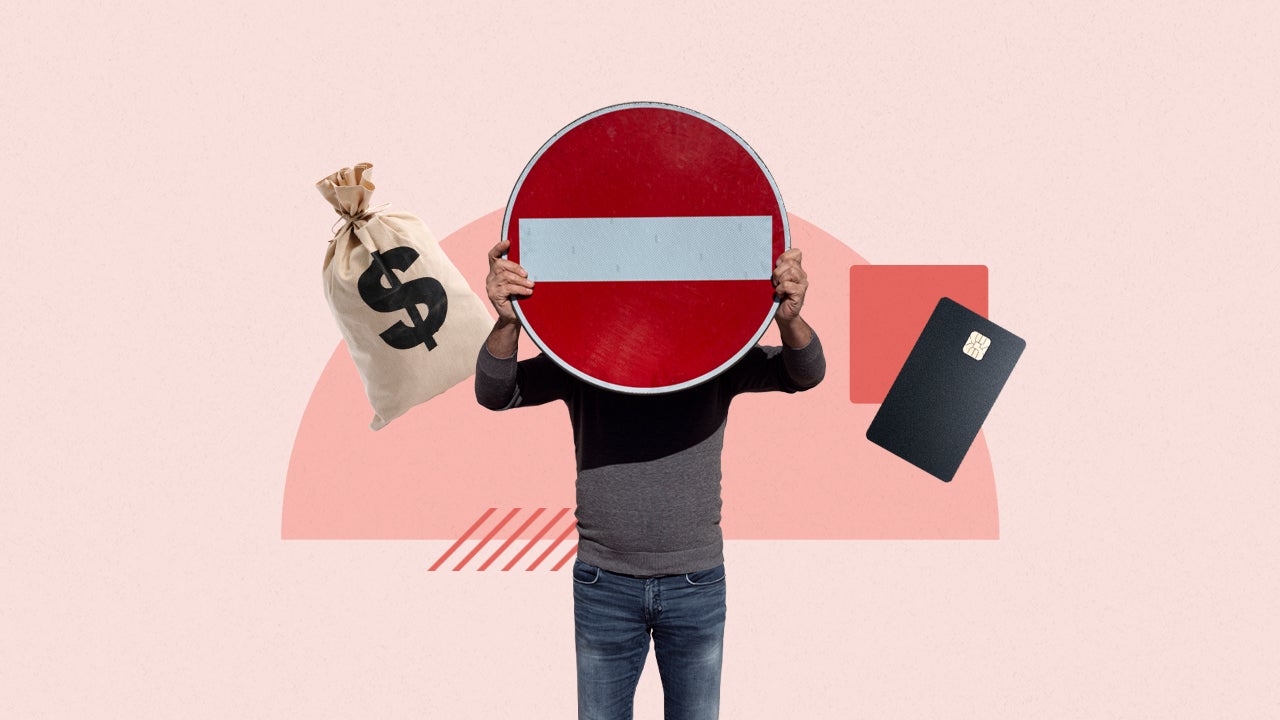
x,y
650,231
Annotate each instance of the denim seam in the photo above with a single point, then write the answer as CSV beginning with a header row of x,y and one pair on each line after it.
x,y
594,580
702,584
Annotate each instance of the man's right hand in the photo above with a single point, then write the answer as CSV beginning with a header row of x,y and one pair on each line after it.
x,y
506,279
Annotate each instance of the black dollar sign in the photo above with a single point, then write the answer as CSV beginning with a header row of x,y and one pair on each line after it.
x,y
404,296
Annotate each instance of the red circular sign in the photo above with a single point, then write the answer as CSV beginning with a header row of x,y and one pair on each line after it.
x,y
650,231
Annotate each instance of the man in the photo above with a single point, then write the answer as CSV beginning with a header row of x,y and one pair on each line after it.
x,y
650,551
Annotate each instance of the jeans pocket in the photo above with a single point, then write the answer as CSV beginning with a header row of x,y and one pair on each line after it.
x,y
585,574
706,577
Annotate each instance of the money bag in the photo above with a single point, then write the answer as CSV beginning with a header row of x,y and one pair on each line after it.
x,y
411,323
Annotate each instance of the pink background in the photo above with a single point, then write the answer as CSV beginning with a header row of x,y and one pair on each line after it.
x,y
1115,168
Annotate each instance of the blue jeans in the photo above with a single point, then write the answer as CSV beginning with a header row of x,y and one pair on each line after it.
x,y
613,617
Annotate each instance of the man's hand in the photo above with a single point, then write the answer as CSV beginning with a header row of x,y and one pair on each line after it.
x,y
505,279
789,285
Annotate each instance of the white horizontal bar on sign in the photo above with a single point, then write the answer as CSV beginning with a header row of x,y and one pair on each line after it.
x,y
722,247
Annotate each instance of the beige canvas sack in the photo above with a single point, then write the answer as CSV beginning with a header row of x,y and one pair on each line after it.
x,y
411,323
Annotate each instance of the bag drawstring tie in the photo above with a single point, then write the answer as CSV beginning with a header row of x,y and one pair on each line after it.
x,y
348,221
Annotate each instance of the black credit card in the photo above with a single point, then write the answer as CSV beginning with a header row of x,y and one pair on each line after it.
x,y
945,389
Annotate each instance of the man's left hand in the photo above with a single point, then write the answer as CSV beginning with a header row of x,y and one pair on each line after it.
x,y
789,285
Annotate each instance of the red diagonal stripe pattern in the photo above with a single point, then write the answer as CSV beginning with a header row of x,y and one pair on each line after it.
x,y
529,546
567,556
501,549
492,532
568,529
462,539
486,539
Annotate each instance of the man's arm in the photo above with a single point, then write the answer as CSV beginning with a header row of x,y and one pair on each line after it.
x,y
501,382
799,364
802,357
504,338
795,332
790,283
505,281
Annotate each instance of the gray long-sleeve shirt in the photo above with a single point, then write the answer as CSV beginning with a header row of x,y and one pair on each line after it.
x,y
648,487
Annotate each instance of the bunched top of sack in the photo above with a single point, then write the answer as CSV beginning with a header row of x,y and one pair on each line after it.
x,y
349,190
